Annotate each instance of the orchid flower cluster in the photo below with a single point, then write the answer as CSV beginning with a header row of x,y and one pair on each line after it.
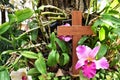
x,y
87,58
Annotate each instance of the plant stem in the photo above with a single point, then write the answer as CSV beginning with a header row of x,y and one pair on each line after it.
x,y
3,38
53,7
26,33
51,13
32,30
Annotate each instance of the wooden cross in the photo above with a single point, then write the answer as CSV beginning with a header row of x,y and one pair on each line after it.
x,y
76,31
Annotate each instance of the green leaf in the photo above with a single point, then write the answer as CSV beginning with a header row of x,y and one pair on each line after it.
x,y
12,18
52,58
4,27
102,34
114,12
102,51
82,40
52,40
96,24
62,45
40,65
64,59
4,75
111,18
119,1
23,14
29,54
7,52
33,71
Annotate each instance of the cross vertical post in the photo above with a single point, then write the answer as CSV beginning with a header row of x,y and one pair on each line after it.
x,y
76,31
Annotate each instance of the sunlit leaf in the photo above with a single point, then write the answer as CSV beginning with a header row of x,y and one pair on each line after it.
x,y
111,18
102,34
4,27
12,18
23,14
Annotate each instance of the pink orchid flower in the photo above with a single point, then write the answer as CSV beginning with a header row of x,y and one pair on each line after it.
x,y
65,38
87,62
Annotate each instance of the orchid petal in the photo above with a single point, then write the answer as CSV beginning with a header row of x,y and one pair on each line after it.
x,y
60,37
67,38
102,63
94,52
67,24
89,69
83,51
80,63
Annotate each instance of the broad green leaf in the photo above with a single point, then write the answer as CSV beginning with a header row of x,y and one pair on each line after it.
x,y
24,14
4,74
64,59
82,40
33,71
4,27
29,54
102,51
62,45
41,65
52,58
52,40
101,34
12,18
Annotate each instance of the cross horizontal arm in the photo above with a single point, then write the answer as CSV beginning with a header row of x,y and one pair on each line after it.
x,y
74,30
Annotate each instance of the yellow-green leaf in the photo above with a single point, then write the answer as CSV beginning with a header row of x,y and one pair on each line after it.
x,y
102,34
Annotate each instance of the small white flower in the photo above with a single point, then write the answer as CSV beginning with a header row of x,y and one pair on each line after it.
x,y
20,74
